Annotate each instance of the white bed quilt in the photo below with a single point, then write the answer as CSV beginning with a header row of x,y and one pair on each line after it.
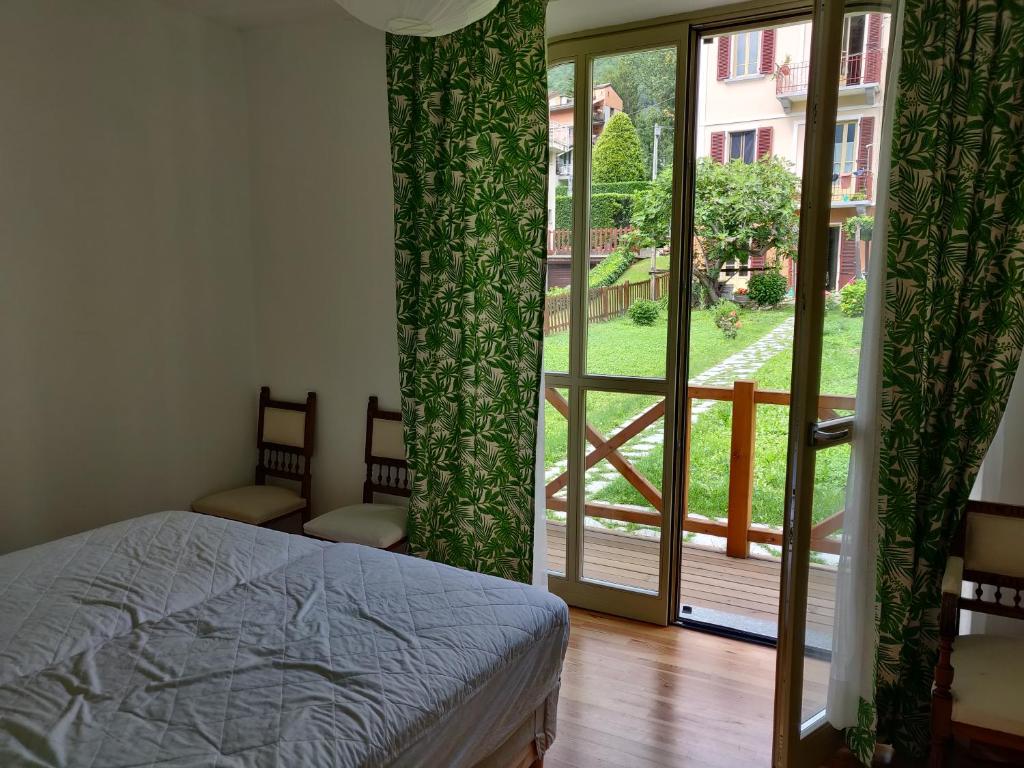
x,y
178,639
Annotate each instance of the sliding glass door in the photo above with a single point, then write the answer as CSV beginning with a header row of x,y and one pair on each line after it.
x,y
612,319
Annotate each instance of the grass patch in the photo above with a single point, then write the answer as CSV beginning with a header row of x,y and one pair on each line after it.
x,y
641,270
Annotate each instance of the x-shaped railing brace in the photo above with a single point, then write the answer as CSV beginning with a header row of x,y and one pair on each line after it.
x,y
608,448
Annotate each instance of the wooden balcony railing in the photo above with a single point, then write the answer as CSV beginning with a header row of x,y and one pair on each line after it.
x,y
737,529
602,240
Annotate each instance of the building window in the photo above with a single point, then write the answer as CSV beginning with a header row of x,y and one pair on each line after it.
x,y
742,146
746,53
844,159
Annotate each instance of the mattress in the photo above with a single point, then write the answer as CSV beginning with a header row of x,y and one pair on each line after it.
x,y
178,639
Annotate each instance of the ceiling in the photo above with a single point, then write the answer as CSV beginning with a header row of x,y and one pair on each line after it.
x,y
568,16
564,16
253,13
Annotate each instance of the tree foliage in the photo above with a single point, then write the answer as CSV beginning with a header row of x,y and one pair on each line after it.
x,y
652,210
646,81
742,210
618,155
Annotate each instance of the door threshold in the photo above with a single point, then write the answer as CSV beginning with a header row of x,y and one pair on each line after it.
x,y
748,630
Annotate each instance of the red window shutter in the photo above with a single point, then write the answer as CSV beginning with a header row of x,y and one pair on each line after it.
x,y
768,52
757,262
764,141
865,137
873,49
723,57
847,261
718,146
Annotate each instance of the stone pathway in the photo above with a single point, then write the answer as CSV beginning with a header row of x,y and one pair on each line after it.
x,y
741,365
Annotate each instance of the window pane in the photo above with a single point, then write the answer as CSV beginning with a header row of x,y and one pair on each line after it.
x,y
557,308
622,533
754,49
556,477
741,54
631,173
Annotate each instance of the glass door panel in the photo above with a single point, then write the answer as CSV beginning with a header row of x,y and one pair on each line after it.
x,y
632,128
741,321
556,474
558,301
623,491
611,359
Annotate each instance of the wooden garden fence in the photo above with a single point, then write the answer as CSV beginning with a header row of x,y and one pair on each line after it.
x,y
604,303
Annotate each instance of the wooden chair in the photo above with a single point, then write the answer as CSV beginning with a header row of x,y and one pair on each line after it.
x,y
381,526
284,450
984,701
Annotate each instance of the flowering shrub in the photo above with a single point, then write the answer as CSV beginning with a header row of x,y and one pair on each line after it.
x,y
728,319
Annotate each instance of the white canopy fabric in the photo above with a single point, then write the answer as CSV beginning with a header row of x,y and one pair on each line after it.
x,y
422,18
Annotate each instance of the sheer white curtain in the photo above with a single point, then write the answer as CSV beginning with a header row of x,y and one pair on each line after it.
x,y
854,640
540,528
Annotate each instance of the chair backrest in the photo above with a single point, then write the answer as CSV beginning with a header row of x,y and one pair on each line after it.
x,y
387,470
990,541
284,440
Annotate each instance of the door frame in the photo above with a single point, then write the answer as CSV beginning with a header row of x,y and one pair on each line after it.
x,y
793,745
685,32
572,587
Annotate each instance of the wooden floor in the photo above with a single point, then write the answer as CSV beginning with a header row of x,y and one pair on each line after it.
x,y
643,696
747,588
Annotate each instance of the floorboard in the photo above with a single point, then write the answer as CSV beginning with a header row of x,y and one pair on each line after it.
x,y
638,695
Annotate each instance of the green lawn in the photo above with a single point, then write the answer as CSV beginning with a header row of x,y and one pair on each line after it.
x,y
624,347
642,270
620,348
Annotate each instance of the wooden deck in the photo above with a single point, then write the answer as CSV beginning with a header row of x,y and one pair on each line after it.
x,y
747,588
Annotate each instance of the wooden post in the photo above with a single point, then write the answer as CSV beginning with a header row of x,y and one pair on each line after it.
x,y
741,468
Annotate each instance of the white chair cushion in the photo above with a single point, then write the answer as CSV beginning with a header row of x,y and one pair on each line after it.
x,y
254,504
988,682
374,525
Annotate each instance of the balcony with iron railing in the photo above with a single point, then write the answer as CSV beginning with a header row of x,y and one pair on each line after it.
x,y
858,73
853,189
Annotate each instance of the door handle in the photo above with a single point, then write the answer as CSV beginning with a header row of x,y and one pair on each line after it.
x,y
825,434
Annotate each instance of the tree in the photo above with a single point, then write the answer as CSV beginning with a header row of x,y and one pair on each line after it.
x,y
646,81
652,210
742,210
618,155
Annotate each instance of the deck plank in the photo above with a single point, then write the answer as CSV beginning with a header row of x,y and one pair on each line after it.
x,y
747,587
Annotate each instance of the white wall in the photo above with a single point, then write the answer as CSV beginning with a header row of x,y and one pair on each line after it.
x,y
126,291
1001,480
322,232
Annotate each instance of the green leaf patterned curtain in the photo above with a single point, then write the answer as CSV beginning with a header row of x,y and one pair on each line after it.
x,y
953,325
469,149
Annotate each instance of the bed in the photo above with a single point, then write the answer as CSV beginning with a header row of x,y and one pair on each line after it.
x,y
178,639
